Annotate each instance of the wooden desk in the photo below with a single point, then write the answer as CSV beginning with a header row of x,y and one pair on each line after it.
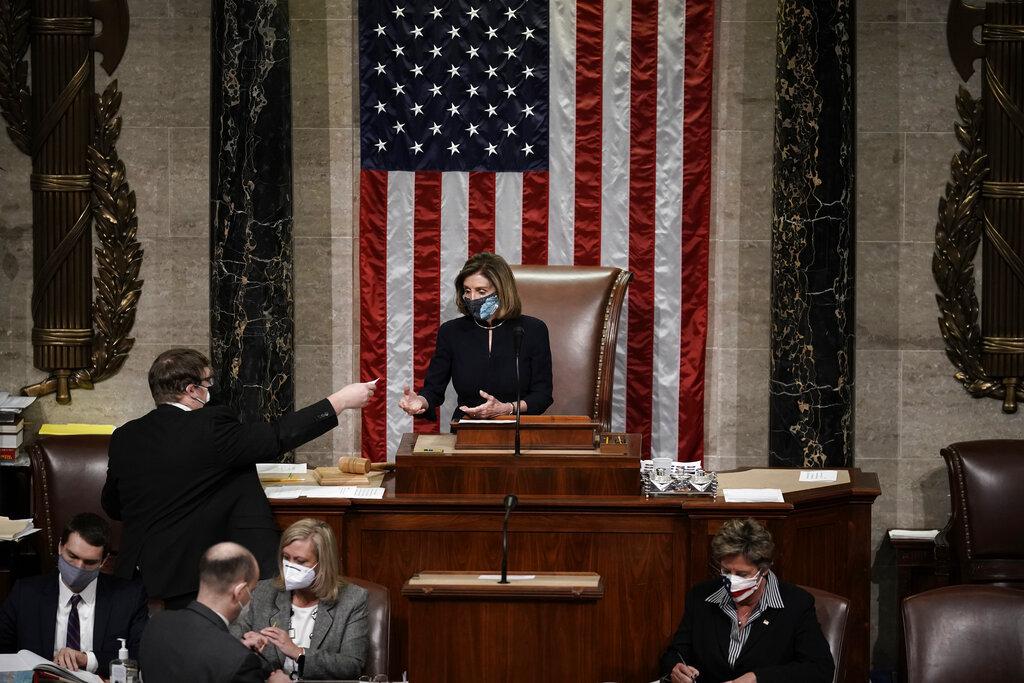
x,y
465,628
647,551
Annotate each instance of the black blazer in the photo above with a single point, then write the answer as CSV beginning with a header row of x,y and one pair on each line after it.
x,y
461,357
790,648
28,618
194,645
184,480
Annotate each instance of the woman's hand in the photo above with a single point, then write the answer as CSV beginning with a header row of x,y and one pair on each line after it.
x,y
281,641
254,641
279,677
491,407
414,404
683,673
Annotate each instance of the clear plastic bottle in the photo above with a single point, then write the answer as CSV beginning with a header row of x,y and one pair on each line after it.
x,y
122,669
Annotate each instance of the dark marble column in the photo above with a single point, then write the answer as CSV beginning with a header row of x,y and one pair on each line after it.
x,y
252,310
812,312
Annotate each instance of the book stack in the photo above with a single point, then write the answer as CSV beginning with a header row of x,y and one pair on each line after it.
x,y
12,428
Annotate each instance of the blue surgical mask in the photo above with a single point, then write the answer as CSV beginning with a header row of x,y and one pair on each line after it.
x,y
74,577
483,308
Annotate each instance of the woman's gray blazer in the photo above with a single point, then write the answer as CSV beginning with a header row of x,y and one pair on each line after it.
x,y
338,644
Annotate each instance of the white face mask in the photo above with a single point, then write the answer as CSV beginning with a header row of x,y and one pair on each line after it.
x,y
297,577
741,588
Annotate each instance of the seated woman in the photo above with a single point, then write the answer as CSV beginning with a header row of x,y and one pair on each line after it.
x,y
308,621
747,626
477,351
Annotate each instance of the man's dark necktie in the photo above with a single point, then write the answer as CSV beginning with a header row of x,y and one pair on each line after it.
x,y
74,639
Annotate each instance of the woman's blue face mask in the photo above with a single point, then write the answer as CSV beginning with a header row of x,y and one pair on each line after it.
x,y
483,308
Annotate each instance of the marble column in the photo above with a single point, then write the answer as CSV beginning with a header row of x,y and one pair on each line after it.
x,y
812,307
252,312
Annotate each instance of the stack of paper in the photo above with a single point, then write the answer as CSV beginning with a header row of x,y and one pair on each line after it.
x,y
913,534
753,496
74,428
13,529
281,472
25,661
290,492
15,403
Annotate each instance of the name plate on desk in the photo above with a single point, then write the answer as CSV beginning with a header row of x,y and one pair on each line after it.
x,y
546,432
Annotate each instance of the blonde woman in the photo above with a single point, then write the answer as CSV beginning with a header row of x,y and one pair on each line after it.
x,y
308,621
476,352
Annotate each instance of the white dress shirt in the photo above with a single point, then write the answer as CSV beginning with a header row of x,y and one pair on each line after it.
x,y
86,619
181,405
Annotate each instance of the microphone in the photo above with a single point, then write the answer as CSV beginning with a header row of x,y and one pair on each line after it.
x,y
517,345
510,504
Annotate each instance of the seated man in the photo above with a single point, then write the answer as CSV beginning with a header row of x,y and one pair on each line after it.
x,y
747,626
194,644
77,615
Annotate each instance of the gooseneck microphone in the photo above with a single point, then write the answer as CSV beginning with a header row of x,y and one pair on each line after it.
x,y
510,504
517,345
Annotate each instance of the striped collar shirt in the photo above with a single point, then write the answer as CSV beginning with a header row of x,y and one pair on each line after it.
x,y
770,598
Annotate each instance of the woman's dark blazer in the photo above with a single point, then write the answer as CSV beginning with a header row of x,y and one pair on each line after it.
x,y
785,645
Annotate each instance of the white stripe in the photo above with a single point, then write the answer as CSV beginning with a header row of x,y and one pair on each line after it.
x,y
454,252
562,132
401,186
668,226
508,216
615,109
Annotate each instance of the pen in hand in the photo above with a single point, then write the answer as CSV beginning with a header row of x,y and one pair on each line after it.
x,y
667,678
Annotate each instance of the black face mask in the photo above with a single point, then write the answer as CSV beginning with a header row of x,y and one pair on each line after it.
x,y
483,308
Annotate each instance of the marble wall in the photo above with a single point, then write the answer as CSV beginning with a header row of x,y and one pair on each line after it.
x,y
908,406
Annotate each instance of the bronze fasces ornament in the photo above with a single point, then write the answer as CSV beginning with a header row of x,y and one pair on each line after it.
x,y
78,184
983,207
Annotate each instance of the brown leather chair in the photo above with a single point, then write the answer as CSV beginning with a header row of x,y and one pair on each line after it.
x,y
833,612
67,478
964,633
378,607
985,534
581,306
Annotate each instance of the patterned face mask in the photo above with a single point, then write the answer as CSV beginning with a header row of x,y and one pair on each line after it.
x,y
483,308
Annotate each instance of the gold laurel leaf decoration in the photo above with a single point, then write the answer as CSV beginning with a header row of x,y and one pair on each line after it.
x,y
15,99
957,236
119,254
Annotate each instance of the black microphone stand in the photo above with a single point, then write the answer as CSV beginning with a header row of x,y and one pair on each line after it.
x,y
517,344
510,504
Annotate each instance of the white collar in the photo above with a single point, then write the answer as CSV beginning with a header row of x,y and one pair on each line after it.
x,y
180,405
88,594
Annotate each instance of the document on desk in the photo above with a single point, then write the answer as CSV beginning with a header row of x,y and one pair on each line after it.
x,y
280,468
753,496
510,577
26,661
293,492
818,475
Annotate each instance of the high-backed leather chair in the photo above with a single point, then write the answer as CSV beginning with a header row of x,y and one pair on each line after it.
x,y
581,306
833,611
964,633
985,534
378,608
68,473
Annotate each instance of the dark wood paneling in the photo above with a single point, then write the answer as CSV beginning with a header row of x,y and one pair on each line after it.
x,y
648,553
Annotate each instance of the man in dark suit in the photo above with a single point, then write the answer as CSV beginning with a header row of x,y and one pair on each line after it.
x,y
747,627
182,477
194,644
77,615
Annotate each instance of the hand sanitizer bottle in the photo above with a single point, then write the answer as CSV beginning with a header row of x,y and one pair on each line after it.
x,y
122,669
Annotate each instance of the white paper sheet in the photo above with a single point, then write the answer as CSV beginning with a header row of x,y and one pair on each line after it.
x,y
753,496
818,475
511,577
280,468
926,534
292,492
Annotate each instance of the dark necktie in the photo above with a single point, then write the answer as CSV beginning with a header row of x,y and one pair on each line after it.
x,y
74,639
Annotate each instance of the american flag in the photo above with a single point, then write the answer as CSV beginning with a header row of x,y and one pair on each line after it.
x,y
548,132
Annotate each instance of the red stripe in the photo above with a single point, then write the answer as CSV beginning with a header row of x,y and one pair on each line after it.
x,y
642,163
481,212
535,218
589,53
698,70
373,291
426,298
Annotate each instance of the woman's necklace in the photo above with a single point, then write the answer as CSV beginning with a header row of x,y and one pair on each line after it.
x,y
488,327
